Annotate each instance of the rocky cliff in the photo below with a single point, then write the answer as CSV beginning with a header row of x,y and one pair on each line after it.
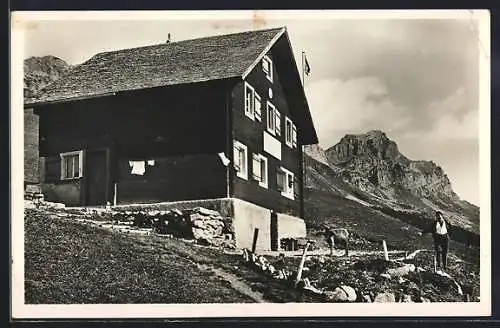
x,y
40,71
376,161
370,169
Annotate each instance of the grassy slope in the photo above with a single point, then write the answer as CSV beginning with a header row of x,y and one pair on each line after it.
x,y
371,224
67,263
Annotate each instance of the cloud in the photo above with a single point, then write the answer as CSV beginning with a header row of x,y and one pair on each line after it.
x,y
416,79
453,118
352,106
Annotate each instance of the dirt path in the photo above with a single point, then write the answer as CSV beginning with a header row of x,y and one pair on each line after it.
x,y
236,283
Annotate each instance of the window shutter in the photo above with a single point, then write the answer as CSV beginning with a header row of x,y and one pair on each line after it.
x,y
242,160
257,168
278,122
290,181
296,188
76,166
263,170
258,112
294,136
280,180
247,99
237,159
270,118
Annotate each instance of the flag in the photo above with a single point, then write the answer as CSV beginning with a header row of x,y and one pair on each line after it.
x,y
307,68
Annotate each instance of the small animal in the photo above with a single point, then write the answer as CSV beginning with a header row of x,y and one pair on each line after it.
x,y
339,236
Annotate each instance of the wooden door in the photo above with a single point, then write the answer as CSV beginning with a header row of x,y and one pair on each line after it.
x,y
96,177
274,231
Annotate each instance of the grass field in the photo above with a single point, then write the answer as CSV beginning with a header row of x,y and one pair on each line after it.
x,y
71,263
373,225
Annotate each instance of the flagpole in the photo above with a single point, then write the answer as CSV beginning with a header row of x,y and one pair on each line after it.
x,y
303,69
302,159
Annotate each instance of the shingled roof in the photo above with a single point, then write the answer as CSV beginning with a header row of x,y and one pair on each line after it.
x,y
189,61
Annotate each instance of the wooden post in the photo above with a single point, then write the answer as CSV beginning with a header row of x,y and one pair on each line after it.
x,y
115,193
386,253
435,264
301,266
255,236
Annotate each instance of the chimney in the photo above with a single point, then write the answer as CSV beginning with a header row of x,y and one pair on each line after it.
x,y
168,40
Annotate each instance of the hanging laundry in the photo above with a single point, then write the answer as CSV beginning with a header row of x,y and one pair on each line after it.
x,y
224,159
151,162
138,167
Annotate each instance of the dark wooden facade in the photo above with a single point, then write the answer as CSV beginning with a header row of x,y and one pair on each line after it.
x,y
251,133
182,128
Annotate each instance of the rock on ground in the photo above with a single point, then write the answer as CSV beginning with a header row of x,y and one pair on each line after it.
x,y
385,298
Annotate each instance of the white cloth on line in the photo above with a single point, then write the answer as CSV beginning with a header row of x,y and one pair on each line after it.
x,y
138,167
151,162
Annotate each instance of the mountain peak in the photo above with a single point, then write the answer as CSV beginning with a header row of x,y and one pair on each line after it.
x,y
369,134
376,160
40,71
373,143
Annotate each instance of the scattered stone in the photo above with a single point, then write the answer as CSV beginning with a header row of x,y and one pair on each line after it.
x,y
385,298
406,299
367,298
424,300
386,275
341,294
401,271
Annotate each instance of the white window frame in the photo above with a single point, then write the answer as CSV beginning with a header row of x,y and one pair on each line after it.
x,y
277,122
263,181
271,128
269,70
288,133
257,107
289,191
242,172
294,136
64,156
249,108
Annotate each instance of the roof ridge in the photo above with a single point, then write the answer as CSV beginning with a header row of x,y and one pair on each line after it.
x,y
188,40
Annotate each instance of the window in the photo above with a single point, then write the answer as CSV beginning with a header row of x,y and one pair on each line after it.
x,y
252,103
240,160
273,119
267,67
294,136
249,101
290,133
259,169
285,182
258,112
278,122
71,165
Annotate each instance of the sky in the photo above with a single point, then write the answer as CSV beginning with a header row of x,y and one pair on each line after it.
x,y
415,79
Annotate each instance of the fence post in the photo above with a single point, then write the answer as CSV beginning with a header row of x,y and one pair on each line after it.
x,y
301,266
386,253
255,236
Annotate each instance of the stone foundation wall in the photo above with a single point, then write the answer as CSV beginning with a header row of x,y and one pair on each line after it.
x,y
221,205
246,218
290,226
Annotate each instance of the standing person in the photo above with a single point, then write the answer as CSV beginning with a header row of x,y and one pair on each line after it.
x,y
330,240
441,230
